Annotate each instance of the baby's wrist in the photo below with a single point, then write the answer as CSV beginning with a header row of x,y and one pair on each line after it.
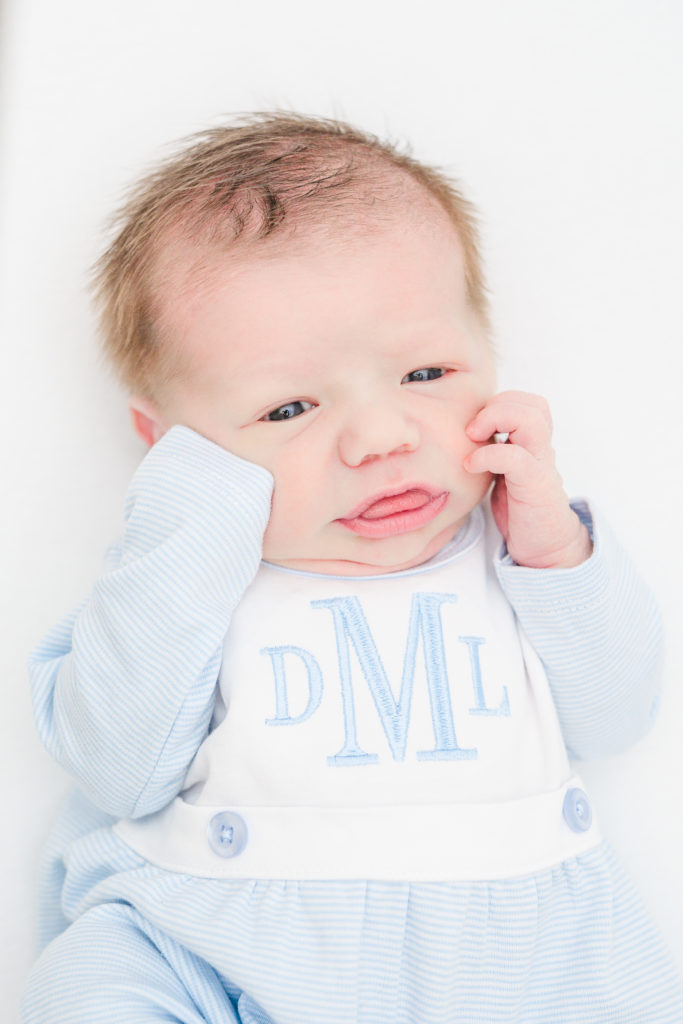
x,y
581,551
578,551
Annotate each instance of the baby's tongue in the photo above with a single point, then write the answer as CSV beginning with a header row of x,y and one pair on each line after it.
x,y
396,503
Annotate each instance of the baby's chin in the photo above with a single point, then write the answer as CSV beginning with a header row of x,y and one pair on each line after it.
x,y
374,558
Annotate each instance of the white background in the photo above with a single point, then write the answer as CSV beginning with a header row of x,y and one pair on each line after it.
x,y
562,120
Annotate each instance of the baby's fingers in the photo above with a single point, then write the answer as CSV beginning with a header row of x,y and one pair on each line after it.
x,y
525,418
517,464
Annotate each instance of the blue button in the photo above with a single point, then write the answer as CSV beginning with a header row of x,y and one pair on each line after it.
x,y
577,811
227,834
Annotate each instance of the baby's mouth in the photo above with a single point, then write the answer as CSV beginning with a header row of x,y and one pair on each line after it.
x,y
394,514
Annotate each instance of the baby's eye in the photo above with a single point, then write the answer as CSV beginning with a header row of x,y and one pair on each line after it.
x,y
288,411
427,373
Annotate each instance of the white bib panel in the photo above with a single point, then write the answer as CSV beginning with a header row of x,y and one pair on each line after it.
x,y
340,695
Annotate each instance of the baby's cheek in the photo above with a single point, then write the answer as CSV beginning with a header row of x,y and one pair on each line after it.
x,y
449,431
274,540
287,518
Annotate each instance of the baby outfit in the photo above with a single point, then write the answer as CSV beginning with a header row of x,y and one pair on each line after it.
x,y
315,799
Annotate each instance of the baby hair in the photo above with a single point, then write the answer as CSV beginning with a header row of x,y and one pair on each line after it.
x,y
271,176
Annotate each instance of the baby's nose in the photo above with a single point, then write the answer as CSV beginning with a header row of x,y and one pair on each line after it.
x,y
373,433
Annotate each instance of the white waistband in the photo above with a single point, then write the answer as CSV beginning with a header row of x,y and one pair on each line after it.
x,y
434,842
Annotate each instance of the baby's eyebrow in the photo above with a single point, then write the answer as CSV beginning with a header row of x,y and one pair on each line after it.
x,y
265,375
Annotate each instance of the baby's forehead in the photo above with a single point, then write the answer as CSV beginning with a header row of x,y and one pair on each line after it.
x,y
398,284
189,267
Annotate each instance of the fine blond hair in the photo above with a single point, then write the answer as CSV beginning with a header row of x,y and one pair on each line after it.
x,y
262,176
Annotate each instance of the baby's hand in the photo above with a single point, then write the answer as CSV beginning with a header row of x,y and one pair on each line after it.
x,y
529,504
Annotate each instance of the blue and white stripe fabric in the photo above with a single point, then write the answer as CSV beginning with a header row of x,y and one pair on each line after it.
x,y
124,688
124,692
598,631
567,945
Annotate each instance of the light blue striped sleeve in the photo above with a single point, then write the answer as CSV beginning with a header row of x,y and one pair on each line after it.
x,y
123,688
598,631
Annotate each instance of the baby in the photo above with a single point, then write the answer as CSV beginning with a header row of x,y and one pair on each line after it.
x,y
321,703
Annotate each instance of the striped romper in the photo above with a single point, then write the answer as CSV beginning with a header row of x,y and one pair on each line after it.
x,y
314,799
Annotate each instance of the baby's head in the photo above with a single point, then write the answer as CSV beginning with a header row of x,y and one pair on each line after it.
x,y
312,300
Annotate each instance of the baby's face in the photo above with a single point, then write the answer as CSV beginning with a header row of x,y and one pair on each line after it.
x,y
349,372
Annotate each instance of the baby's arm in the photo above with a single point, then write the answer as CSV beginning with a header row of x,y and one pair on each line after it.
x,y
597,629
590,618
124,688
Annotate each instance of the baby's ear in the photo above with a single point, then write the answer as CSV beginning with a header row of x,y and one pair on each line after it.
x,y
147,420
